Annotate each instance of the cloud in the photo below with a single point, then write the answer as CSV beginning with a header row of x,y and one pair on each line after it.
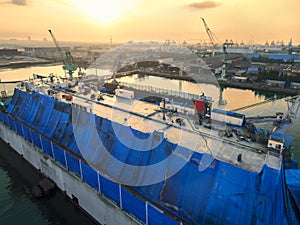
x,y
203,5
18,2
14,2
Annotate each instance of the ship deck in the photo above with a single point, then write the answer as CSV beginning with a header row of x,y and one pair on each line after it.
x,y
147,117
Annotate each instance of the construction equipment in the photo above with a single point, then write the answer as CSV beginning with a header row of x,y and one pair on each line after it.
x,y
212,38
281,121
66,56
226,60
285,120
209,33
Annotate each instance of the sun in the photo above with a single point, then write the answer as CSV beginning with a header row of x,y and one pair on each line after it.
x,y
102,11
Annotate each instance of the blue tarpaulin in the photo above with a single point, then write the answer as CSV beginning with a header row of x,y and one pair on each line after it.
x,y
133,205
220,194
293,182
90,176
284,57
252,69
46,146
110,189
27,133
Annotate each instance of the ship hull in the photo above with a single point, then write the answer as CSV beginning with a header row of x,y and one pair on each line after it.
x,y
57,139
100,208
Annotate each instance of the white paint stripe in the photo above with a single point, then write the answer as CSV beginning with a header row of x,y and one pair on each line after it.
x,y
65,155
147,220
80,170
120,193
99,186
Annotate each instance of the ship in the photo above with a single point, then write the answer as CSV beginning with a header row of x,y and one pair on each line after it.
x,y
127,155
127,161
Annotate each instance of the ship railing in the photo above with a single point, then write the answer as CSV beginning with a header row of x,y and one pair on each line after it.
x,y
161,91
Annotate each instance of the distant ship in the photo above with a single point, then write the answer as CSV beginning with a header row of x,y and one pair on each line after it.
x,y
126,161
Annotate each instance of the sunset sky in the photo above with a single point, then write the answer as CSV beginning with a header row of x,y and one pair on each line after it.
x,y
124,20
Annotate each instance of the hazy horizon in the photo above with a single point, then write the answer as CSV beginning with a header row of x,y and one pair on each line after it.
x,y
99,21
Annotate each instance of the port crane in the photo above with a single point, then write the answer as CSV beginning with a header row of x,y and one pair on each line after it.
x,y
212,38
226,61
209,33
69,64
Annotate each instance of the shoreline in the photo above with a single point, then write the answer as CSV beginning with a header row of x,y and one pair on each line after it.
x,y
214,81
13,65
206,79
259,87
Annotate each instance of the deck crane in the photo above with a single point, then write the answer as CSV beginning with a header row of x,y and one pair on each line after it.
x,y
68,61
281,121
284,122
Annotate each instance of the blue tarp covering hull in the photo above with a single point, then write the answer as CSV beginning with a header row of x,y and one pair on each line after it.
x,y
221,194
293,182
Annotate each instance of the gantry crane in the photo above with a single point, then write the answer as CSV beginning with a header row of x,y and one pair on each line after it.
x,y
67,58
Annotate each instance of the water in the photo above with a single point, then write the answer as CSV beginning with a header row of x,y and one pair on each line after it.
x,y
18,207
234,97
27,72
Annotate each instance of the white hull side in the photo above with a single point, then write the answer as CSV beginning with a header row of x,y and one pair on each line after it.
x,y
99,207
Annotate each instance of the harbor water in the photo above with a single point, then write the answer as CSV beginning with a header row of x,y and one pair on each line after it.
x,y
17,204
19,207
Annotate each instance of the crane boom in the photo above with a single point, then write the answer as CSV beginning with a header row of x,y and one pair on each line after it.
x,y
209,33
212,39
67,58
215,45
282,121
59,49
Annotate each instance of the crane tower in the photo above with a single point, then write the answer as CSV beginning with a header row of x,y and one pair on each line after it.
x,y
66,56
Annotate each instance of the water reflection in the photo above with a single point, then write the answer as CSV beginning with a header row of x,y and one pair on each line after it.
x,y
26,73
